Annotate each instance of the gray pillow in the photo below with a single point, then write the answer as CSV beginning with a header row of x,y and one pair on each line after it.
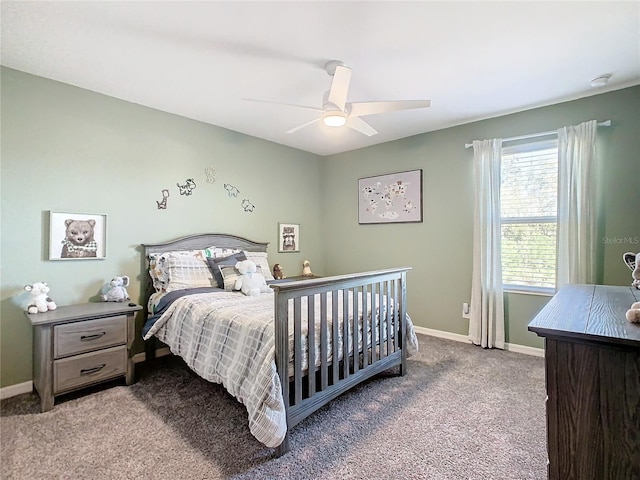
x,y
214,263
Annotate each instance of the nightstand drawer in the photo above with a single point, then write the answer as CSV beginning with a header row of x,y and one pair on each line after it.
x,y
78,337
69,373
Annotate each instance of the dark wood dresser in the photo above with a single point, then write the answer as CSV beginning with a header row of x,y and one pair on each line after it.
x,y
592,361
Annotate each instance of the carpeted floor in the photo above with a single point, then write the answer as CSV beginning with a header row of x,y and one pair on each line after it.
x,y
460,413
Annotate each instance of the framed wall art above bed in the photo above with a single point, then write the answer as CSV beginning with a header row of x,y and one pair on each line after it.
x,y
390,198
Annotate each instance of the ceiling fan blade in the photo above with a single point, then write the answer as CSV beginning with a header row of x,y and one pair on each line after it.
x,y
370,108
315,109
340,87
300,127
361,126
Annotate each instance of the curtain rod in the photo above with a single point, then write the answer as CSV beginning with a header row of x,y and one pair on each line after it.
x,y
606,123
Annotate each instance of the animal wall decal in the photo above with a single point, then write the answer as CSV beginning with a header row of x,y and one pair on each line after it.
x,y
231,190
162,204
188,187
210,172
247,205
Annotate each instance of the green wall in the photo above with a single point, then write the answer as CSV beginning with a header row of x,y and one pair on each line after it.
x,y
440,248
71,150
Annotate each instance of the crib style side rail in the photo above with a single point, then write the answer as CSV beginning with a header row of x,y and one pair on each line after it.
x,y
369,339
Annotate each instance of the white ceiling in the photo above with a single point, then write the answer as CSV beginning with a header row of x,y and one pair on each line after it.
x,y
473,60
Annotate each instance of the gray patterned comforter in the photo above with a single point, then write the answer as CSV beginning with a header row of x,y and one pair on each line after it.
x,y
228,338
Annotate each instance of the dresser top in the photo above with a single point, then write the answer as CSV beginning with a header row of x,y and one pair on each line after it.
x,y
590,312
83,311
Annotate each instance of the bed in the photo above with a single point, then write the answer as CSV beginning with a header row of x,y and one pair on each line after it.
x,y
260,348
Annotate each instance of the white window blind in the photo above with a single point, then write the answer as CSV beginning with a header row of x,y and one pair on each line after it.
x,y
528,196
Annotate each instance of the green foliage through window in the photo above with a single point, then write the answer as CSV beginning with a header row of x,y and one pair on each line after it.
x,y
528,196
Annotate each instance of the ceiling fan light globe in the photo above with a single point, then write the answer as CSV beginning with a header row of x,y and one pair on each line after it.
x,y
334,120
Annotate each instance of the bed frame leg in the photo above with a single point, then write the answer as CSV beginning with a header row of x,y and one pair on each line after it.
x,y
150,349
283,447
403,366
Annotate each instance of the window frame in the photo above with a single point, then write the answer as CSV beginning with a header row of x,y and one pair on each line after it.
x,y
526,146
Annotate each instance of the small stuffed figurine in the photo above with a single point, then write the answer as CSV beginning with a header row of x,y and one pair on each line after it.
x,y
251,282
278,273
633,314
117,291
633,262
306,269
39,300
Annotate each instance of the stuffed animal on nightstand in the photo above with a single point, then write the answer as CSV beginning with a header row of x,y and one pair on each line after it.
x,y
117,290
39,300
633,314
252,282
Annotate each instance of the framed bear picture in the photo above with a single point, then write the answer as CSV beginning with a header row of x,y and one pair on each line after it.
x,y
288,237
77,236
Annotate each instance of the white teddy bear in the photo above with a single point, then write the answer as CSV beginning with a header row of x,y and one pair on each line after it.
x,y
39,300
633,314
117,291
251,282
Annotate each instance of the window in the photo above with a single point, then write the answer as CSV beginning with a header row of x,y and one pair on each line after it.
x,y
529,199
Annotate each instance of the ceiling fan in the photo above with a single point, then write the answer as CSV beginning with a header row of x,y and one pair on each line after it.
x,y
336,111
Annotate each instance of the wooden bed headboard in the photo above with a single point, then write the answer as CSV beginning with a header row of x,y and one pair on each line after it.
x,y
204,240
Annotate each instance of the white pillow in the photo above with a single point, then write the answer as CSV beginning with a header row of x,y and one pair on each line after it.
x,y
260,259
159,267
187,272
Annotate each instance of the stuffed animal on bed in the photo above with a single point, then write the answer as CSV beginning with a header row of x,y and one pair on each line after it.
x,y
252,282
117,291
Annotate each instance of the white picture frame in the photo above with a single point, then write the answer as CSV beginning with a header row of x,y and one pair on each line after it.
x,y
288,237
77,236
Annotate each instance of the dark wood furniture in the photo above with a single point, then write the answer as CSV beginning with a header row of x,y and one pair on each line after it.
x,y
80,345
592,361
304,393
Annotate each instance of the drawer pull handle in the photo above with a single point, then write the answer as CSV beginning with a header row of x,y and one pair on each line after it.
x,y
89,371
95,336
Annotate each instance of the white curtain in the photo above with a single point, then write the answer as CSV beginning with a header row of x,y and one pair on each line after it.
x,y
576,258
486,325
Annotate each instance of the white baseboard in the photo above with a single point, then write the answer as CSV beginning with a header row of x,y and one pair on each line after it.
x,y
17,389
160,352
442,334
511,347
514,347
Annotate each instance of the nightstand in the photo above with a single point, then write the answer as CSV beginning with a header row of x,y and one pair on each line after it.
x,y
80,345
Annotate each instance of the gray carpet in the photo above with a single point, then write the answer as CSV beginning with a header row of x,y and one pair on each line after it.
x,y
460,413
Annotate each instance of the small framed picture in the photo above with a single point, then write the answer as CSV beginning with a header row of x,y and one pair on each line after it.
x,y
288,237
77,236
